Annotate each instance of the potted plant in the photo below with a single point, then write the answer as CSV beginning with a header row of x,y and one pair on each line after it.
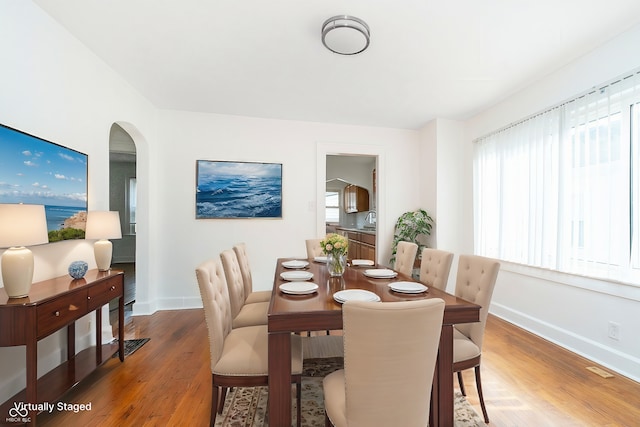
x,y
409,226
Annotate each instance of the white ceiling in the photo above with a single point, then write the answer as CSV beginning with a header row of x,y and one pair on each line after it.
x,y
264,58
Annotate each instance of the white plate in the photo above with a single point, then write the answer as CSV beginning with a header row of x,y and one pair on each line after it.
x,y
355,295
298,288
408,287
380,273
361,262
320,259
296,275
295,264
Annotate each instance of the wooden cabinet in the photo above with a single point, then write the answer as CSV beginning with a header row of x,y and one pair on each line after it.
x,y
356,199
361,245
50,306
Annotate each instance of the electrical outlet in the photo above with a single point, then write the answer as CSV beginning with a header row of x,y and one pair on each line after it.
x,y
614,331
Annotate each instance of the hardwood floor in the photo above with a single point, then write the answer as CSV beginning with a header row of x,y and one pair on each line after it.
x,y
527,381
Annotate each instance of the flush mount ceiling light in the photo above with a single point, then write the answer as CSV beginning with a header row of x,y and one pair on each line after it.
x,y
345,35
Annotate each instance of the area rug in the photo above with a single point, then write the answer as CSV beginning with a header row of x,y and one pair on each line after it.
x,y
130,346
247,407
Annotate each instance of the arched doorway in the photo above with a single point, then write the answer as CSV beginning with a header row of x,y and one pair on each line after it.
x,y
123,198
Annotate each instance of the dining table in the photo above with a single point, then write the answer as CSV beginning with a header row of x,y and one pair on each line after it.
x,y
317,310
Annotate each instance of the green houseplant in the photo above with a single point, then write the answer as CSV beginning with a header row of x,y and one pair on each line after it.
x,y
409,226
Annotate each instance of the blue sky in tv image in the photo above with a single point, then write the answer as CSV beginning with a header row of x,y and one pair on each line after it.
x,y
238,190
35,171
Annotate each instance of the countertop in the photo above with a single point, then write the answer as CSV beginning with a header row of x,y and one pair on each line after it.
x,y
358,230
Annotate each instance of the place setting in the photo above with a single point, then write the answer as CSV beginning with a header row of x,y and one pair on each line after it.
x,y
298,288
362,263
355,295
380,273
405,287
296,275
295,264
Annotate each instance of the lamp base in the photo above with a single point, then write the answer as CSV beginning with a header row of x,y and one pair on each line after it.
x,y
17,271
102,250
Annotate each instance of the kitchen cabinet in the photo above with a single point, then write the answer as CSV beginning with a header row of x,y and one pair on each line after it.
x,y
356,199
362,245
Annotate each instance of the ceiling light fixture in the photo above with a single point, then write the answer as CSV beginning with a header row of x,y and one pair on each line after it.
x,y
345,35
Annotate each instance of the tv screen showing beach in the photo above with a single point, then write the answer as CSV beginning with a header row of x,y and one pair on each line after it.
x,y
39,172
238,189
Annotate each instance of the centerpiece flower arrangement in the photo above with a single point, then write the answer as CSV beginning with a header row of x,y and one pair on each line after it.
x,y
335,246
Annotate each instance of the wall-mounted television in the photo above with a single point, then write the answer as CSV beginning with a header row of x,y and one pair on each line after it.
x,y
40,172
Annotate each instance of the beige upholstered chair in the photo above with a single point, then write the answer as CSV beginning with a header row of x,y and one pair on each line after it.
x,y
313,248
251,296
475,281
243,314
388,366
434,267
405,257
238,356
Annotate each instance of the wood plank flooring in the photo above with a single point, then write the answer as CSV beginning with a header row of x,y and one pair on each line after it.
x,y
527,381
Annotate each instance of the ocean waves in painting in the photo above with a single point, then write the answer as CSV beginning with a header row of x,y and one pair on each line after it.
x,y
240,197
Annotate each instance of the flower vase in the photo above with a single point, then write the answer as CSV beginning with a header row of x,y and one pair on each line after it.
x,y
336,264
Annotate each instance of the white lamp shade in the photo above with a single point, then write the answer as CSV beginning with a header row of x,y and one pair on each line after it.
x,y
20,225
103,225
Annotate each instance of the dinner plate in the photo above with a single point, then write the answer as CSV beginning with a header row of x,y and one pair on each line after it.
x,y
298,288
361,262
320,259
355,295
296,275
408,287
380,273
295,264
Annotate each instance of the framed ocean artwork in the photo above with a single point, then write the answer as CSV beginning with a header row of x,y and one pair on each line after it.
x,y
227,189
39,172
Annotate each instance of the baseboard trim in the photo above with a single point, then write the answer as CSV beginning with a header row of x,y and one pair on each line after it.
x,y
622,363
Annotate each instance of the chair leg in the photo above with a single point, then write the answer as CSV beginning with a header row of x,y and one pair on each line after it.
x,y
461,383
299,402
214,404
479,386
327,421
223,396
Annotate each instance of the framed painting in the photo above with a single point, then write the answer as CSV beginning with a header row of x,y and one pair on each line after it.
x,y
39,172
238,189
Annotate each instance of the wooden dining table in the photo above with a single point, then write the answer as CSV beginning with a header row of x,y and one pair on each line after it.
x,y
319,311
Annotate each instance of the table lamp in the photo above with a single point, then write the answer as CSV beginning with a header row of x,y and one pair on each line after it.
x,y
103,225
20,226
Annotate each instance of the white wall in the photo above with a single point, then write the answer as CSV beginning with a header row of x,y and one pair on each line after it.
x,y
52,87
186,242
568,310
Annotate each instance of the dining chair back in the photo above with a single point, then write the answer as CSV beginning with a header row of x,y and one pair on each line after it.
x,y
475,281
238,357
388,366
242,314
251,296
435,266
313,248
405,257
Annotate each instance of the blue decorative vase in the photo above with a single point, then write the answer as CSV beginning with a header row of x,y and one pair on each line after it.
x,y
77,269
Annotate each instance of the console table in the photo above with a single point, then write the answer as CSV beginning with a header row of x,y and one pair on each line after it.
x,y
50,306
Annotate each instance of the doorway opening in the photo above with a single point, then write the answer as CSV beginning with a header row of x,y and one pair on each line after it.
x,y
123,198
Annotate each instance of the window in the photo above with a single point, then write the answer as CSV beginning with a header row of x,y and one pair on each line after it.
x,y
332,206
560,189
131,205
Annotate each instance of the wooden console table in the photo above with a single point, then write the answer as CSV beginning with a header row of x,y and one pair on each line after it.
x,y
50,306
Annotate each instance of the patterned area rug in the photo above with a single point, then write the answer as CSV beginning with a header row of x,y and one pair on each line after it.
x,y
247,407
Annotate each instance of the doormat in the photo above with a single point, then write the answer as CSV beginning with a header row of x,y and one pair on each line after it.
x,y
130,346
